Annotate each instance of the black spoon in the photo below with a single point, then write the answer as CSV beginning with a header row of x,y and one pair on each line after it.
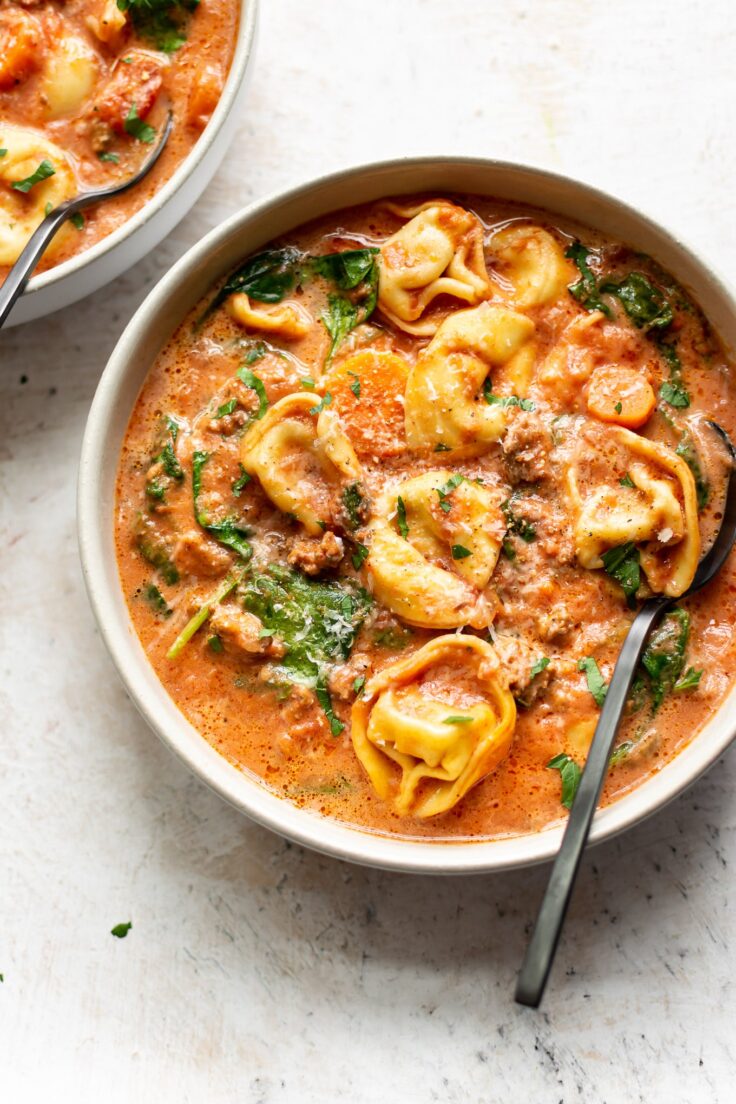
x,y
22,270
543,944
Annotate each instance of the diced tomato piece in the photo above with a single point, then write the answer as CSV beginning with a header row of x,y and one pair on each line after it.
x,y
136,79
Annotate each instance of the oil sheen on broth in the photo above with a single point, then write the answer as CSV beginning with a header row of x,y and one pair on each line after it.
x,y
388,499
84,87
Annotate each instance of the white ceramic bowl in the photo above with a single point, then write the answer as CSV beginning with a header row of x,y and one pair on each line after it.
x,y
164,308
111,256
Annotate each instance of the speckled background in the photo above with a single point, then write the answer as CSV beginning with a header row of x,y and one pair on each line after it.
x,y
257,972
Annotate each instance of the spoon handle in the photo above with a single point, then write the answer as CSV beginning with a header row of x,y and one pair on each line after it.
x,y
543,944
22,270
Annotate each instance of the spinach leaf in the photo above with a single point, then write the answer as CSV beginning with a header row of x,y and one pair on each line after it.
x,y
622,564
267,277
688,681
686,449
156,601
672,390
570,775
241,482
596,683
227,531
323,697
323,403
586,289
316,621
664,656
43,172
157,555
346,269
646,305
256,384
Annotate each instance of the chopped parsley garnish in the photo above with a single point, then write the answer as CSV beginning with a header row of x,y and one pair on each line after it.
x,y
77,220
353,503
121,930
505,400
43,172
594,678
507,547
455,719
135,126
618,407
160,22
113,158
359,556
441,448
394,638
460,552
227,408
622,564
323,403
401,518
214,643
308,383
444,492
627,481
570,775
255,353
516,524
250,379
48,209
355,385
540,665
3,152
359,685
227,531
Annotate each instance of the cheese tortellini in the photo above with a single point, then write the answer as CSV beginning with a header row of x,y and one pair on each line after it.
x,y
534,264
68,76
444,716
434,575
439,251
288,320
444,404
22,212
659,513
302,457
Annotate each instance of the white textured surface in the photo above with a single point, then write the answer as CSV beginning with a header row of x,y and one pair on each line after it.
x,y
255,971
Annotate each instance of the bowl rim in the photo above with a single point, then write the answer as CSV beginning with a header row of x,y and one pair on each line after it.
x,y
238,787
228,98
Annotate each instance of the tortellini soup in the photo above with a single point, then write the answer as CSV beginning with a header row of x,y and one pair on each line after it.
x,y
390,497
85,86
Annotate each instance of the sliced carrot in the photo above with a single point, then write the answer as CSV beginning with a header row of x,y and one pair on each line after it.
x,y
620,395
367,389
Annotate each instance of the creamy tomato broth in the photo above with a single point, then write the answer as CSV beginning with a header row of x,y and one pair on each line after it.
x,y
85,85
391,493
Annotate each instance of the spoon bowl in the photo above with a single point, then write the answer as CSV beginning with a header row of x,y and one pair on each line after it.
x,y
38,242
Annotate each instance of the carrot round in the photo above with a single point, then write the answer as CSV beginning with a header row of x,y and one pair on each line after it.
x,y
368,393
620,395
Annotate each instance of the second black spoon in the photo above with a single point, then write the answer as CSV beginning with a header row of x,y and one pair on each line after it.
x,y
543,944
